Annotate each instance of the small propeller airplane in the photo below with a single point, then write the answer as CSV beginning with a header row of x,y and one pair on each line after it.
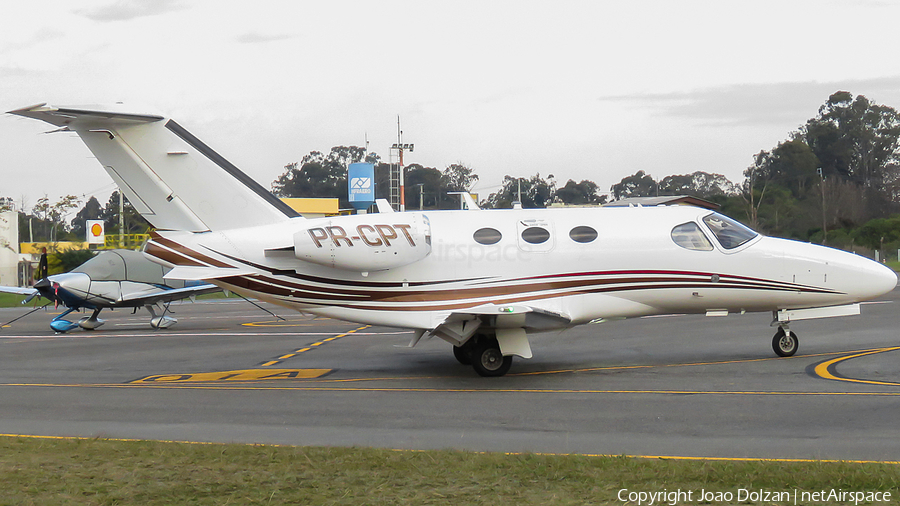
x,y
481,280
112,279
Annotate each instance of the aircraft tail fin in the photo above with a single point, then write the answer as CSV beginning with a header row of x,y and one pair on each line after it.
x,y
172,178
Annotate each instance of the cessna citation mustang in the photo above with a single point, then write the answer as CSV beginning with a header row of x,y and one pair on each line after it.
x,y
481,280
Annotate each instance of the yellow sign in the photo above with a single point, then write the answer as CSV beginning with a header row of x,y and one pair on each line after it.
x,y
241,375
314,206
34,248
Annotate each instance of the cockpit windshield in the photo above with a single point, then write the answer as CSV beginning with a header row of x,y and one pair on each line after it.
x,y
730,233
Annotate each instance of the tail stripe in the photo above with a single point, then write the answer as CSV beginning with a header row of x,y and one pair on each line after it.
x,y
228,167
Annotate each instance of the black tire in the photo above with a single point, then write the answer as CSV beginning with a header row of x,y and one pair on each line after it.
x,y
463,354
488,361
784,343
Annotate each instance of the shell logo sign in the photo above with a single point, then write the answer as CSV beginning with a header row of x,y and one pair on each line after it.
x,y
95,231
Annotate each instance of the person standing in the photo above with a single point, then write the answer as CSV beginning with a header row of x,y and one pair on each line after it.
x,y
42,264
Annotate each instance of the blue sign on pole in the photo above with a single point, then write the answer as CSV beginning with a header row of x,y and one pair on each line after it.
x,y
361,185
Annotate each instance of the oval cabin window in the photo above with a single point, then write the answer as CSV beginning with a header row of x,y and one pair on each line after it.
x,y
535,235
487,236
689,236
583,234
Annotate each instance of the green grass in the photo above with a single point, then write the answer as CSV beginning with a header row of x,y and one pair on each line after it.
x,y
11,300
218,295
42,471
893,265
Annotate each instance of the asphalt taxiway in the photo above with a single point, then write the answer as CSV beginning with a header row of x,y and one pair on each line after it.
x,y
687,386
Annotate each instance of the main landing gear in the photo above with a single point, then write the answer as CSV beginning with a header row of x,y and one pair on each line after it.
x,y
91,322
785,342
482,352
162,321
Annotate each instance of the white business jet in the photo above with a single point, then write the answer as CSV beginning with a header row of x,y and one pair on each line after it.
x,y
481,280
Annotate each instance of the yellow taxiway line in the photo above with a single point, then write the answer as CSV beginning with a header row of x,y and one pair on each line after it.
x,y
239,375
312,346
312,379
827,370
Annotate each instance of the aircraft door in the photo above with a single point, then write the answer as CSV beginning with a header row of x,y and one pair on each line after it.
x,y
102,292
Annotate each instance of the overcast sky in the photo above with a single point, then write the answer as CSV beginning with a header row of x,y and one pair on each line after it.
x,y
579,89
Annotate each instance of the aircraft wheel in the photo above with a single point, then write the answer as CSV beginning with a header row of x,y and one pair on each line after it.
x,y
487,359
784,343
463,354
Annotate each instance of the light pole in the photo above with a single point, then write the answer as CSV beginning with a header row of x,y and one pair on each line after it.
x,y
400,147
824,225
121,219
421,194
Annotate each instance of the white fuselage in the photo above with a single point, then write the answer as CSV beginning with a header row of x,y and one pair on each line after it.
x,y
632,268
480,280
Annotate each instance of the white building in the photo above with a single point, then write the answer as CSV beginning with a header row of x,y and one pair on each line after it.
x,y
9,248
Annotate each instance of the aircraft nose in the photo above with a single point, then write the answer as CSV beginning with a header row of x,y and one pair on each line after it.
x,y
75,283
876,279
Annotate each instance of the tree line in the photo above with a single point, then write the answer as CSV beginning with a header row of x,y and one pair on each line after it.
x,y
47,220
835,180
325,175
828,182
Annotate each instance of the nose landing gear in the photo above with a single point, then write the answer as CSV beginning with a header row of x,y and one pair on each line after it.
x,y
785,342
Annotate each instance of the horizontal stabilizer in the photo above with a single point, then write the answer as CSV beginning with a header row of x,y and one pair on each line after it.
x,y
192,273
171,178
63,116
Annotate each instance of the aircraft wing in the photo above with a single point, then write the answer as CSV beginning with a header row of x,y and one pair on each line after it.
x,y
509,321
529,317
145,299
18,291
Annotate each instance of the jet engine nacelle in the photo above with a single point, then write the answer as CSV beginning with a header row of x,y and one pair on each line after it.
x,y
367,242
